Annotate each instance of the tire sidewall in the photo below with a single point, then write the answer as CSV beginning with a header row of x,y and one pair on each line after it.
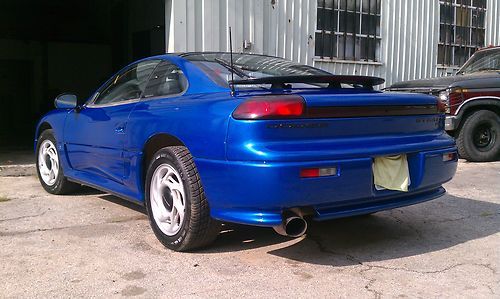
x,y
165,156
477,119
57,186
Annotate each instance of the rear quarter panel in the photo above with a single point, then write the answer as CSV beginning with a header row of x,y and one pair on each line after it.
x,y
199,121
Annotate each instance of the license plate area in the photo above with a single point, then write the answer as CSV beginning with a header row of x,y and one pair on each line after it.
x,y
391,173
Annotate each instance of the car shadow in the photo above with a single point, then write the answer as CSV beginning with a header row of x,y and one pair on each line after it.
x,y
403,232
124,203
235,237
85,190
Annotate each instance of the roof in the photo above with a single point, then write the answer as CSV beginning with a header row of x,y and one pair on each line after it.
x,y
489,48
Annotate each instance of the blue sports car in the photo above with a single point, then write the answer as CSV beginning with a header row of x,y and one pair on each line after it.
x,y
205,138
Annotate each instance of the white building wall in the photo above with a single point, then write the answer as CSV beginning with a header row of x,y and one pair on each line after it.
x,y
285,28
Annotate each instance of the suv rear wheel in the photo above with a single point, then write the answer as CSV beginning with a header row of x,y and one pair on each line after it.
x,y
479,137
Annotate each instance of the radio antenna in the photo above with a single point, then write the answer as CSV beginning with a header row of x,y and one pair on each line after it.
x,y
231,57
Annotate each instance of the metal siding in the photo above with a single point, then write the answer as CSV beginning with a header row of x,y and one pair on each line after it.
x,y
285,28
408,49
492,34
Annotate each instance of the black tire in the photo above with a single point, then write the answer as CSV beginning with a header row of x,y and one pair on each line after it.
x,y
197,229
479,137
61,185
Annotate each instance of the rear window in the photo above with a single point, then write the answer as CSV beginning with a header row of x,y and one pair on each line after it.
x,y
217,66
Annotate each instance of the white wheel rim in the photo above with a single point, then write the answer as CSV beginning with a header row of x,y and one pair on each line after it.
x,y
48,162
167,199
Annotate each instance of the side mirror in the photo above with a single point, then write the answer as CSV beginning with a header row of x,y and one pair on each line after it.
x,y
66,101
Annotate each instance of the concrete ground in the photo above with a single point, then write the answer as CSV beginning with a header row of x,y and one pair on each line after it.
x,y
95,245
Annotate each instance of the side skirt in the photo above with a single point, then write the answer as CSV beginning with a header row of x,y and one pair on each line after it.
x,y
110,186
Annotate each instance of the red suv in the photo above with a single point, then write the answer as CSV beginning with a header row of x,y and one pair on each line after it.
x,y
473,104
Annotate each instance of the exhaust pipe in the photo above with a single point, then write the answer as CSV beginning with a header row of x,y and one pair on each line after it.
x,y
293,225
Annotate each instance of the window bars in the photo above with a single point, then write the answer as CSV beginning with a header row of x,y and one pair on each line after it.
x,y
348,30
461,30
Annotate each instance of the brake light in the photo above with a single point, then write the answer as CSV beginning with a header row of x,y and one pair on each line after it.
x,y
271,107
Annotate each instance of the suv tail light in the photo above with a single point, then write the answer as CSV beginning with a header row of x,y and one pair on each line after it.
x,y
271,107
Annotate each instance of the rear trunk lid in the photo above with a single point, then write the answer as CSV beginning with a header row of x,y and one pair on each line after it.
x,y
341,123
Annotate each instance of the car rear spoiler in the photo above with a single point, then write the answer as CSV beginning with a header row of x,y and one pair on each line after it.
x,y
334,81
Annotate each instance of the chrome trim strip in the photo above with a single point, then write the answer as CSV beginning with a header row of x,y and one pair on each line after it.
x,y
473,99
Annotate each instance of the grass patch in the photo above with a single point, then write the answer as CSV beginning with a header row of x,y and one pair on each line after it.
x,y
3,198
483,214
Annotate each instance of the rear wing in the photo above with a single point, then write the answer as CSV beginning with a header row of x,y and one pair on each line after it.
x,y
334,81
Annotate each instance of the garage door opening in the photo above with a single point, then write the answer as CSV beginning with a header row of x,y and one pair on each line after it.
x,y
54,46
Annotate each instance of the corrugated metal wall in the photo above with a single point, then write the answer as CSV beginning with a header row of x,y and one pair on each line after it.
x,y
275,27
410,34
285,28
493,23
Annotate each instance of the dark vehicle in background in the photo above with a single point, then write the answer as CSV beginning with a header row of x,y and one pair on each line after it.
x,y
472,97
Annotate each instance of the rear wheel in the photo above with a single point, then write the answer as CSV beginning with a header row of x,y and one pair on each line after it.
x,y
48,166
479,137
177,207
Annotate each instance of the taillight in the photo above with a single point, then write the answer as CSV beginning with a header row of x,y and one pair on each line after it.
x,y
271,107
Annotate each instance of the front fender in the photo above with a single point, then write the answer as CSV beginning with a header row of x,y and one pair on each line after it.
x,y
473,103
54,120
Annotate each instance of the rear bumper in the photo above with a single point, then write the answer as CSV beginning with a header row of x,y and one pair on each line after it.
x,y
256,193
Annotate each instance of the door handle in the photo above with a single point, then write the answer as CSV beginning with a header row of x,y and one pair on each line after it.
x,y
120,129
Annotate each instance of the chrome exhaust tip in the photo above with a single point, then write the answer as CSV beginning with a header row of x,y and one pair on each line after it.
x,y
293,226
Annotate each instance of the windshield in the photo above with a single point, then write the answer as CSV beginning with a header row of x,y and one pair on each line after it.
x,y
246,66
488,60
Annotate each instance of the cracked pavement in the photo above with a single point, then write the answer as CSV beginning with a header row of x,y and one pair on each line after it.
x,y
96,245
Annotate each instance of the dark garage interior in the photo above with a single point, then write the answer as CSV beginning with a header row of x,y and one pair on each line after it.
x,y
54,46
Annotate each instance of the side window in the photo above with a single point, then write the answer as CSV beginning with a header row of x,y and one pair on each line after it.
x,y
128,85
167,80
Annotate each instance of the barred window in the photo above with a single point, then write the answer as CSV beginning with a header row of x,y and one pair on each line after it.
x,y
461,30
348,30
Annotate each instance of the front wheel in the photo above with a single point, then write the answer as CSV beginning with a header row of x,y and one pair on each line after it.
x,y
48,166
479,137
177,207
